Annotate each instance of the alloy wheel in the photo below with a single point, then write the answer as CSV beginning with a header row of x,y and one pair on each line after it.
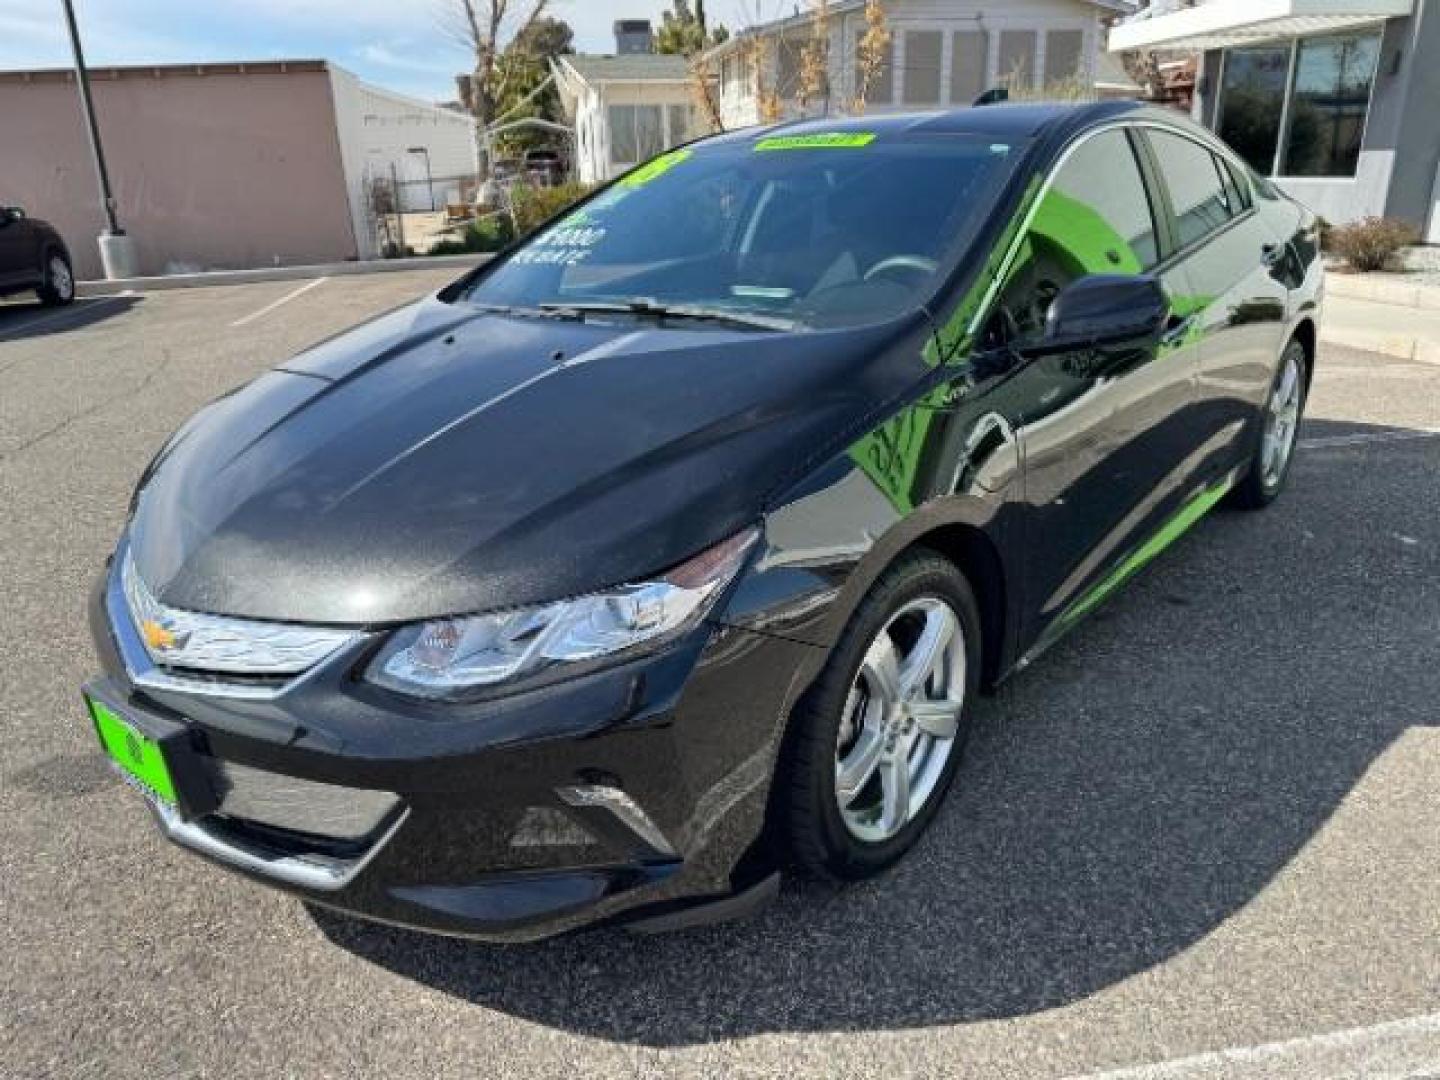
x,y
1282,421
62,282
901,718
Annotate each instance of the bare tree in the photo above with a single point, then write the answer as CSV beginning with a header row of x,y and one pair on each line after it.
x,y
872,53
686,32
752,51
769,106
1143,68
481,25
815,60
705,93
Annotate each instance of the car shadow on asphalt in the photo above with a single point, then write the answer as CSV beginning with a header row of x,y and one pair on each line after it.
x,y
1135,788
20,320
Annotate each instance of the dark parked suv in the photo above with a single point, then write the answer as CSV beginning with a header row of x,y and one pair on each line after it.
x,y
674,545
33,258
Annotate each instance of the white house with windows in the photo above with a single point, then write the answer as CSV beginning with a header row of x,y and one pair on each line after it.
x,y
1336,100
943,54
625,109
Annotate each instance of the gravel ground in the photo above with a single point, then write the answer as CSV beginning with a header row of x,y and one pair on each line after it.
x,y
1206,822
1422,266
1417,266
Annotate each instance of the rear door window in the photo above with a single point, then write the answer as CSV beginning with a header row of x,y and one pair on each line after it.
x,y
1200,196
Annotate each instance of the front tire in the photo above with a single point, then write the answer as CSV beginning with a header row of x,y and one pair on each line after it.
x,y
59,286
875,743
1278,432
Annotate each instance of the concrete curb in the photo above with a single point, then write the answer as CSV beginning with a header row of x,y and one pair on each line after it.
x,y
1399,346
1383,289
275,273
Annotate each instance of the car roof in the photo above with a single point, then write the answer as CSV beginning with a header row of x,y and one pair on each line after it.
x,y
1010,121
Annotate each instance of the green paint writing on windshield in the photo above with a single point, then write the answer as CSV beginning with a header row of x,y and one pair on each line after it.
x,y
825,140
654,169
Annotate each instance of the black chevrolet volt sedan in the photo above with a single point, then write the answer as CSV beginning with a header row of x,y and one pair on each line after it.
x,y
671,549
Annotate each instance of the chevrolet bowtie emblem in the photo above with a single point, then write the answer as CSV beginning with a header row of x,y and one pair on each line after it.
x,y
160,638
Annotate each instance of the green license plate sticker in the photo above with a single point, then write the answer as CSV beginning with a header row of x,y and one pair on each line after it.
x,y
825,140
137,754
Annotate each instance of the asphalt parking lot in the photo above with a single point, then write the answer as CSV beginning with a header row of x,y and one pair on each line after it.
x,y
1201,837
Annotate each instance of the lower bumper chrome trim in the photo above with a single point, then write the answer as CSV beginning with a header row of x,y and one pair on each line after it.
x,y
311,871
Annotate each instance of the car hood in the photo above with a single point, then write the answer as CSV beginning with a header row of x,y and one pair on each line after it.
x,y
440,460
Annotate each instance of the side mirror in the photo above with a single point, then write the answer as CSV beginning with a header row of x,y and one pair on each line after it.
x,y
1103,311
10,213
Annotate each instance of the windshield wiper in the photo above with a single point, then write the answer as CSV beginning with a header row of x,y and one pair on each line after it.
x,y
545,311
650,309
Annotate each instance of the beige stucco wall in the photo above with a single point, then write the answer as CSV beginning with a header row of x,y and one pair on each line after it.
x,y
215,170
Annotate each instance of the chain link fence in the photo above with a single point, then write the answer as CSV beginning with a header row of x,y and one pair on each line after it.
x,y
406,213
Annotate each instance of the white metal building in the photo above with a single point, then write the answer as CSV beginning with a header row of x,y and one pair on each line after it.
x,y
428,149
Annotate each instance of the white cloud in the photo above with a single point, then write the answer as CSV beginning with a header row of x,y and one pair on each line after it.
x,y
31,38
424,60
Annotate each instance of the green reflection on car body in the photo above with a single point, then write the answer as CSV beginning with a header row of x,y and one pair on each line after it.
x,y
1198,506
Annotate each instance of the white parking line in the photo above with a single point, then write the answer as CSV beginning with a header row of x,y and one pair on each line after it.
x,y
1367,437
1401,1048
283,300
13,330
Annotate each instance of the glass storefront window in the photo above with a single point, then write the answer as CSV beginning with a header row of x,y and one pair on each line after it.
x,y
1322,111
1333,77
1252,100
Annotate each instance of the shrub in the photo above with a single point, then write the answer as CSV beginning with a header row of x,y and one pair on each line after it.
x,y
1372,243
536,205
487,234
533,207
449,247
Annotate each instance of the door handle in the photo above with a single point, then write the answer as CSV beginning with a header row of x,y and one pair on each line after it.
x,y
1176,328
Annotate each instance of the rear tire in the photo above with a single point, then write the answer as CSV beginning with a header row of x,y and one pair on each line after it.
x,y
875,743
1277,432
59,286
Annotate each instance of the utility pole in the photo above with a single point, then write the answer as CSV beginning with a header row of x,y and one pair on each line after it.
x,y
117,250
399,210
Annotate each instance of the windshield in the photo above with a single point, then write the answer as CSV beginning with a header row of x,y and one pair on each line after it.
x,y
816,231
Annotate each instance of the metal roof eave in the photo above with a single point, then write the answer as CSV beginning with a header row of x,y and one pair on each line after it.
x,y
1218,24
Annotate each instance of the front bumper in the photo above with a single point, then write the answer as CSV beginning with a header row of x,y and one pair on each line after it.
x,y
631,793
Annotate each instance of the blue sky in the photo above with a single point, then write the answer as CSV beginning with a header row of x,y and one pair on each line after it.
x,y
400,44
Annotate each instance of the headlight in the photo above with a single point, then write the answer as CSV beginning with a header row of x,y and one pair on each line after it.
x,y
449,657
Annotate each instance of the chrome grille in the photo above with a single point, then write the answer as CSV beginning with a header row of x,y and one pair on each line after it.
x,y
191,641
